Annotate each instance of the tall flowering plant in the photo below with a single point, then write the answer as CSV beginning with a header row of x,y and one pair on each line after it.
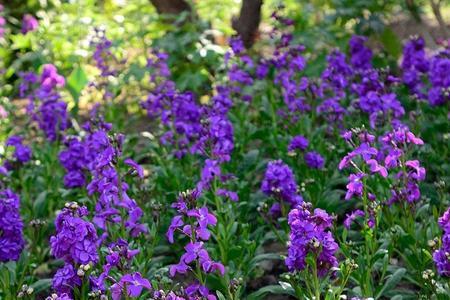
x,y
193,222
311,250
426,75
384,159
45,106
75,243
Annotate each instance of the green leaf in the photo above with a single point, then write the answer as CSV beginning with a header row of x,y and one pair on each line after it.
x,y
41,285
20,41
40,204
76,81
220,295
261,257
391,42
392,281
271,289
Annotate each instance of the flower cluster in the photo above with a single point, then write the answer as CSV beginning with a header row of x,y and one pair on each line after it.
x,y
279,182
75,243
396,145
107,183
75,239
415,65
335,79
102,54
22,153
360,55
177,111
314,160
29,24
74,159
439,93
51,113
106,62
11,226
119,256
288,61
299,143
240,69
389,156
310,236
441,256
426,77
193,223
371,87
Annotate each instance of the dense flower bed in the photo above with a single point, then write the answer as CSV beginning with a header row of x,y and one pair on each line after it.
x,y
331,177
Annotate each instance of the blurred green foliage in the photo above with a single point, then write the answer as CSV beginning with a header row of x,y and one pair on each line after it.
x,y
193,47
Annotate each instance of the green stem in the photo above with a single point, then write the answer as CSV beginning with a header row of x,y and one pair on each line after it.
x,y
367,288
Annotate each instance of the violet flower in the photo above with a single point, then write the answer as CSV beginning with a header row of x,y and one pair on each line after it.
x,y
279,181
310,235
29,23
132,283
314,160
22,153
75,239
440,256
11,237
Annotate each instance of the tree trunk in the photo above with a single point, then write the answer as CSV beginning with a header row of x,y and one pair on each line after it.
x,y
171,7
246,25
413,8
436,7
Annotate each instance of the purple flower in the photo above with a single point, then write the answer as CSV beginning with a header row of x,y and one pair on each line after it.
x,y
415,65
360,55
309,234
50,78
133,283
351,217
444,221
103,56
199,291
178,112
139,170
74,179
364,150
210,171
75,239
337,72
236,45
440,256
298,142
11,235
46,106
22,153
418,172
355,186
65,279
440,78
376,168
279,181
176,223
29,23
314,160
63,296
233,196
204,218
196,229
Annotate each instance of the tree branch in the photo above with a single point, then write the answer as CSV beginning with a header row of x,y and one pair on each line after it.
x,y
246,25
